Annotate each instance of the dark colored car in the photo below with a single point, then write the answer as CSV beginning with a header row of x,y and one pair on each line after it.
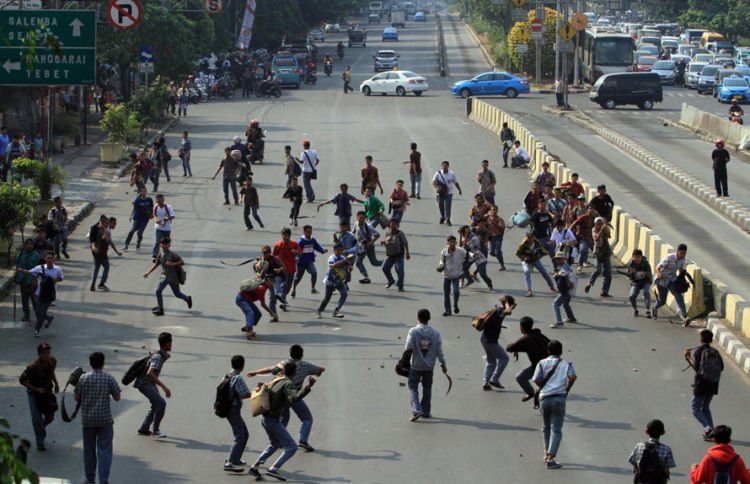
x,y
640,88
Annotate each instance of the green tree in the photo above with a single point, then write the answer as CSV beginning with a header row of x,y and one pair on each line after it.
x,y
13,453
17,205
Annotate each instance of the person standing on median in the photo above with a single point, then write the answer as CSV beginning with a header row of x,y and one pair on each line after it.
x,y
554,377
707,363
720,157
426,347
93,392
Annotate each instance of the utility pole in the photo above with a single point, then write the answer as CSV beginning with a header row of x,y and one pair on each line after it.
x,y
557,39
538,53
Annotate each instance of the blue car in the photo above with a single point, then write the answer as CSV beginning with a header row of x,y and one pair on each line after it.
x,y
501,83
420,17
733,88
390,33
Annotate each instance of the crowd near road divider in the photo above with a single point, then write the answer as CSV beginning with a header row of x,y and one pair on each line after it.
x,y
709,296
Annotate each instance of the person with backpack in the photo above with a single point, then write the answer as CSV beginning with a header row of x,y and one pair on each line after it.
x,y
554,377
149,381
426,347
651,460
708,365
497,358
396,250
309,160
721,464
566,281
300,408
282,394
163,216
46,292
238,391
99,240
172,275
142,212
670,275
534,344
252,291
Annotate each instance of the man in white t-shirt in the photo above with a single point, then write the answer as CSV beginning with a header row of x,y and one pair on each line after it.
x,y
522,158
46,292
309,161
444,182
163,217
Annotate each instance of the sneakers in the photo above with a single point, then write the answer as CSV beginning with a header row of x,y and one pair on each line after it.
x,y
275,474
455,309
587,288
686,322
553,464
416,417
571,320
318,315
158,312
653,313
527,397
314,291
306,446
497,384
486,387
65,253
103,287
337,314
49,321
648,314
635,313
604,294
229,467
147,433
36,333
92,288
708,435
366,280
293,293
158,434
253,471
558,324
446,313
390,283
190,302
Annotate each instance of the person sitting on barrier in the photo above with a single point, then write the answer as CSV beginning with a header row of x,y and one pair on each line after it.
x,y
521,159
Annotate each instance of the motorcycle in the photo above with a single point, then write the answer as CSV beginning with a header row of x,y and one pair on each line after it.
x,y
679,78
194,95
328,68
268,89
310,77
735,114
224,90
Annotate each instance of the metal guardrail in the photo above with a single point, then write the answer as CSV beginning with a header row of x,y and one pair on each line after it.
x,y
440,43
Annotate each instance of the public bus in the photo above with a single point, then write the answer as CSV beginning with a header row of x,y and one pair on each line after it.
x,y
604,52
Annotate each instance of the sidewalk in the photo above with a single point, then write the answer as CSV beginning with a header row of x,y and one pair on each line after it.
x,y
84,170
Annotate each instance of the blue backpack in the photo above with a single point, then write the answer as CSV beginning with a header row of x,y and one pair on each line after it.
x,y
723,473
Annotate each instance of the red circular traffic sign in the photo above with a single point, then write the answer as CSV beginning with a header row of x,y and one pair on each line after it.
x,y
124,14
213,7
536,25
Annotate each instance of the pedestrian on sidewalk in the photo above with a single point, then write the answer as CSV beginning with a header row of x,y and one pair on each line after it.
x,y
566,281
347,76
426,346
487,180
155,156
163,217
396,249
231,166
93,392
164,154
554,377
246,300
560,93
282,395
639,272
172,274
531,252
366,238
141,170
670,277
398,201
186,146
534,344
142,212
310,161
497,358
444,181
294,194
46,293
41,387
238,391
651,460
27,259
603,254
415,171
287,250
251,201
721,463
496,231
58,215
507,138
172,99
720,157
300,408
184,97
707,363
335,280
451,264
148,384
308,245
42,245
343,202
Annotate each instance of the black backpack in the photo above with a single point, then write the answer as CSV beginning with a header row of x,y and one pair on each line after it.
x,y
47,291
650,468
711,365
223,401
137,369
723,473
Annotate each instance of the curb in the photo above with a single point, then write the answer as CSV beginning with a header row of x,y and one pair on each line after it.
x,y
733,346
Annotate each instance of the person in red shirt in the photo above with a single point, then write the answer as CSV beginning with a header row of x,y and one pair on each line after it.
x,y
287,250
246,300
723,455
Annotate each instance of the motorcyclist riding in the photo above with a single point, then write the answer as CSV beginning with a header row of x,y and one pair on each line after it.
x,y
736,112
328,64
681,67
266,82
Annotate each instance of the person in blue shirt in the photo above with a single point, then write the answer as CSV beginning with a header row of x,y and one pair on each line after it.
x,y
143,210
335,280
346,238
306,259
343,202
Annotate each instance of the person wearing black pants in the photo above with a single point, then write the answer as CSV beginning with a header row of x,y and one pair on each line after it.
x,y
720,157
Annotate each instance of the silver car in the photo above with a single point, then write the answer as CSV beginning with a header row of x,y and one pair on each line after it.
x,y
694,72
666,71
385,60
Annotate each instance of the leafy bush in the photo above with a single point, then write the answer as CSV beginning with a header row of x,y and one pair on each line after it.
x,y
548,44
121,124
66,124
45,175
17,205
148,103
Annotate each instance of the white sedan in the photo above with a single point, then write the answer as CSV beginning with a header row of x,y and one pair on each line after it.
x,y
395,82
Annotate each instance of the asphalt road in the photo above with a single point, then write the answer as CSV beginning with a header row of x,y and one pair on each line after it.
x,y
629,369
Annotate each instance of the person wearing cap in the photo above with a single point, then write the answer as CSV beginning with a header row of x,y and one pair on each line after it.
x,y
720,157
231,165
667,272
531,252
309,160
603,203
40,382
602,252
566,281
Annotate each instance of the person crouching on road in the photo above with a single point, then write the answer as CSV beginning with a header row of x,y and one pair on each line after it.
x,y
245,301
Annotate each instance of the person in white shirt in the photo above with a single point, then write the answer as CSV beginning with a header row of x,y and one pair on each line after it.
x,y
309,161
565,241
554,377
46,292
163,217
522,157
444,182
451,264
